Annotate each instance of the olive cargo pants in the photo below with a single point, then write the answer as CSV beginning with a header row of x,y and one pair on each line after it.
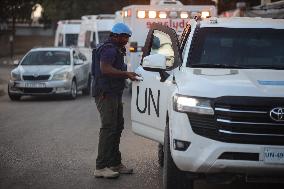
x,y
112,124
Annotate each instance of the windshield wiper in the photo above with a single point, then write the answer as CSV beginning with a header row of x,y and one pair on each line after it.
x,y
218,66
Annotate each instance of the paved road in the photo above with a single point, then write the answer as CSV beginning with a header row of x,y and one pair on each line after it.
x,y
52,143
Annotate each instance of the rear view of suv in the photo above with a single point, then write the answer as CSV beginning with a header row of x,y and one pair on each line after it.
x,y
214,100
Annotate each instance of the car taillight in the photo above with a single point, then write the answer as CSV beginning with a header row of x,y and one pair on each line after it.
x,y
205,14
125,14
162,15
184,15
133,46
129,12
141,14
152,14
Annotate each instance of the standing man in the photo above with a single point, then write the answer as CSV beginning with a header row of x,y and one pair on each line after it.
x,y
110,73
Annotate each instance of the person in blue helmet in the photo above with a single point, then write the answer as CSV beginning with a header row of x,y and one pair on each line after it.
x,y
110,75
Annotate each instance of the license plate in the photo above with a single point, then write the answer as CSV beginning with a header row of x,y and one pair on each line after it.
x,y
274,155
35,85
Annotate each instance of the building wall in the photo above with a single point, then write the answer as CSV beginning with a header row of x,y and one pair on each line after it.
x,y
25,39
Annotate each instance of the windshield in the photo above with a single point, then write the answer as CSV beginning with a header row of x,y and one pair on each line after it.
x,y
103,36
47,58
238,48
71,39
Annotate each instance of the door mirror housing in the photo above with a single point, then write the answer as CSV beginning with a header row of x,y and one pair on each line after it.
x,y
155,62
78,62
16,63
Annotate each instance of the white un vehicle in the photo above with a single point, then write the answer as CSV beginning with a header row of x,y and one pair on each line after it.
x,y
214,100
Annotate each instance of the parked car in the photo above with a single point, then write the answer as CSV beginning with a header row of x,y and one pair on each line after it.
x,y
50,71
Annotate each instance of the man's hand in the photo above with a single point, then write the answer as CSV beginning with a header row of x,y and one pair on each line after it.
x,y
107,69
132,76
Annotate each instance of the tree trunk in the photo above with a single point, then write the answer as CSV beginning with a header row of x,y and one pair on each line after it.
x,y
12,39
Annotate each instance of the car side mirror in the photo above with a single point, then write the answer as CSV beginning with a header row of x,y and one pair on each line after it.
x,y
155,62
16,63
78,62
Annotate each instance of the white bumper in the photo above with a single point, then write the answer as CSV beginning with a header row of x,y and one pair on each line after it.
x,y
203,154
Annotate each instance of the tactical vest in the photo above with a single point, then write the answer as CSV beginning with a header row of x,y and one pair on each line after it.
x,y
106,84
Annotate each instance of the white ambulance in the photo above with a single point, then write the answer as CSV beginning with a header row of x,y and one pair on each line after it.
x,y
67,33
94,29
167,12
214,100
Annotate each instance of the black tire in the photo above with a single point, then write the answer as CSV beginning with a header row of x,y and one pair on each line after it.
x,y
87,90
161,155
14,97
74,91
173,178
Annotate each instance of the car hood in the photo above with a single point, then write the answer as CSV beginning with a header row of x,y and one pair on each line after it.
x,y
41,70
214,83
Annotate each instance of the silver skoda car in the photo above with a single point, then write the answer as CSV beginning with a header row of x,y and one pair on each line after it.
x,y
50,71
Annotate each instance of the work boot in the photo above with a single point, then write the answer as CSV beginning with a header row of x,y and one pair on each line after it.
x,y
122,169
106,173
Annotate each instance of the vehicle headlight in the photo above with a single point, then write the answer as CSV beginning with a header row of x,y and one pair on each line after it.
x,y
61,76
15,76
183,103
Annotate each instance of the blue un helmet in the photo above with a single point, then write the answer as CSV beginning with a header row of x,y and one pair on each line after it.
x,y
121,28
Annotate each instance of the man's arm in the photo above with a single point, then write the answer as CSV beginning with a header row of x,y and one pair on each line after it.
x,y
107,69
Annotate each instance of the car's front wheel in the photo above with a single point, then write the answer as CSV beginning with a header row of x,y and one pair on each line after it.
x,y
73,91
14,97
173,178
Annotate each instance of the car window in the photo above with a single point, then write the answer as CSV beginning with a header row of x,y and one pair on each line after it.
x,y
243,47
161,44
47,58
103,36
82,56
75,57
71,39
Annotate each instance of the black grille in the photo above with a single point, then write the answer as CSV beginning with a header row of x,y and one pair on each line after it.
x,y
239,156
36,78
37,90
241,120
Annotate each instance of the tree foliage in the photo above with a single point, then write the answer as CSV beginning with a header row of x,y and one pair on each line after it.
x,y
74,9
19,10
